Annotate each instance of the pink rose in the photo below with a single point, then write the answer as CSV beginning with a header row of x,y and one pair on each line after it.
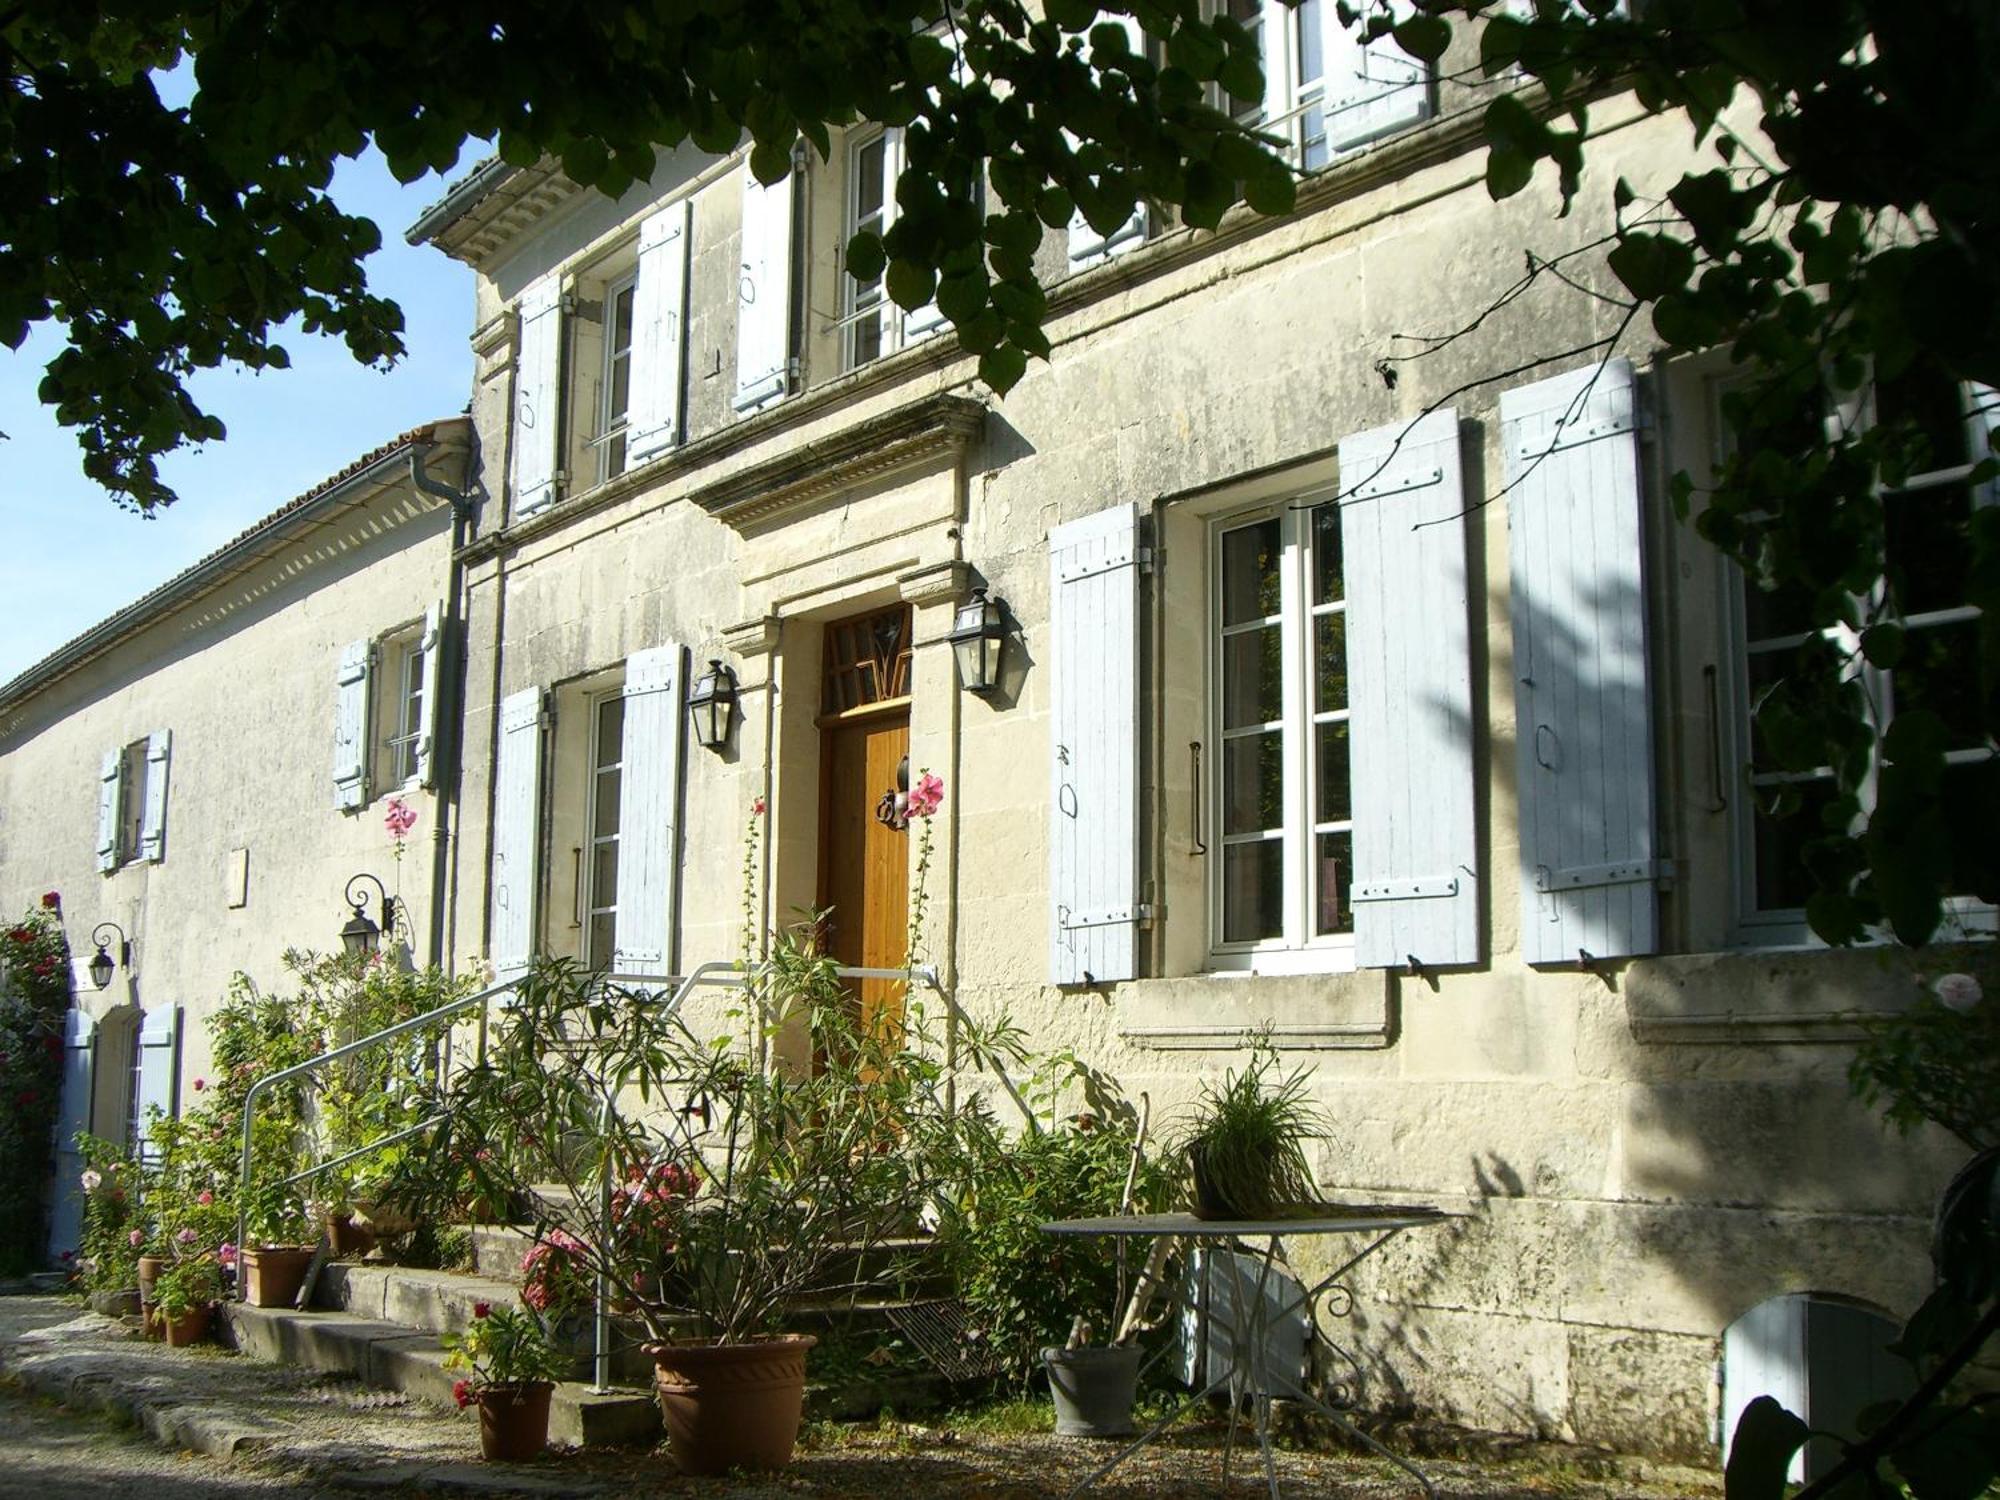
x,y
136,1238
482,1309
226,1253
204,1197
461,1392
1959,992
184,1236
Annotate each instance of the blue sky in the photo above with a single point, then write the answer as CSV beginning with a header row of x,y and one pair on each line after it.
x,y
72,557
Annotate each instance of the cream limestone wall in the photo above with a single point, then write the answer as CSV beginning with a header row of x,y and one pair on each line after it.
x,y
243,675
1638,1155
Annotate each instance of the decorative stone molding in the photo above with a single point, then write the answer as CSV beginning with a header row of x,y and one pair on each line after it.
x,y
938,583
758,637
769,493
1292,1012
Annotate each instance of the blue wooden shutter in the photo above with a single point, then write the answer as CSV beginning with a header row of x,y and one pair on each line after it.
x,y
110,782
1582,707
764,318
659,335
538,396
1086,246
649,818
1764,1354
1094,814
153,821
517,789
1409,683
431,643
1371,88
72,1119
159,1073
350,726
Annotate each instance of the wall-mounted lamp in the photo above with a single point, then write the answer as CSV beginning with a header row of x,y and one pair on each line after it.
x,y
361,936
101,965
977,639
711,705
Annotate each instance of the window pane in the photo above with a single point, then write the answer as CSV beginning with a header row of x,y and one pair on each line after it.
x,y
1249,14
1308,21
1330,662
1253,669
604,806
1930,400
603,940
1938,673
1335,874
1253,891
1781,835
1250,572
1336,802
868,195
1312,139
604,874
1327,587
611,731
1253,783
1927,546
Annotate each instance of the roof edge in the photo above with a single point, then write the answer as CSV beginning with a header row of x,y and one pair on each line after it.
x,y
459,200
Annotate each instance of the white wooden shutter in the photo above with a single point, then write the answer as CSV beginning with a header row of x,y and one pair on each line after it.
x,y
1094,814
110,778
649,819
1582,710
659,335
1409,683
538,395
159,1072
1764,1354
153,827
72,1118
764,318
1372,88
350,726
517,789
432,645
1086,245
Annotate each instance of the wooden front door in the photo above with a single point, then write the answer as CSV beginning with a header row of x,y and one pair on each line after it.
x,y
864,884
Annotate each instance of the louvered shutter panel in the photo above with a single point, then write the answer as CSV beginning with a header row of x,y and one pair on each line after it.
x,y
159,1073
433,646
659,335
764,318
350,726
110,778
1086,246
1582,709
72,1119
153,827
1094,832
649,820
538,396
1409,683
517,787
1371,88
1764,1354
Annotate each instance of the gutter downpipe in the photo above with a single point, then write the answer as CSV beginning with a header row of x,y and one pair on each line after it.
x,y
451,688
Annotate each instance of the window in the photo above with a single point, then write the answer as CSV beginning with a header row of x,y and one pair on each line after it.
x,y
1325,91
600,899
401,713
132,802
871,177
610,440
385,712
1926,561
1283,807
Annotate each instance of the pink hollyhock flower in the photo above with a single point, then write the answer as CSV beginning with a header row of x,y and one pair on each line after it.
x,y
204,1197
757,806
461,1392
399,818
136,1238
927,795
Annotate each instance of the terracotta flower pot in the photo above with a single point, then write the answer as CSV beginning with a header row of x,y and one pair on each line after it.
x,y
732,1406
350,1241
191,1327
273,1274
513,1420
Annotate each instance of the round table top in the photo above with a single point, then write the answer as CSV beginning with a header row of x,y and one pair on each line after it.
x,y
1331,1218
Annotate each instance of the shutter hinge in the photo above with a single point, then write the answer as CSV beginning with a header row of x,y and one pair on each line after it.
x,y
1110,916
570,304
1415,889
1585,877
1146,558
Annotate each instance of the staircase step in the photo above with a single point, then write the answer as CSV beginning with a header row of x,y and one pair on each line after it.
x,y
393,1356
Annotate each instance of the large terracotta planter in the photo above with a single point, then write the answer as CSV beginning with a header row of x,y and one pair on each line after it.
x,y
191,1327
732,1406
273,1274
514,1420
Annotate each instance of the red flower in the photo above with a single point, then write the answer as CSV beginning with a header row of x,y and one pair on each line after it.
x,y
482,1309
21,935
25,1098
51,900
69,1255
200,1084
53,1044
461,1392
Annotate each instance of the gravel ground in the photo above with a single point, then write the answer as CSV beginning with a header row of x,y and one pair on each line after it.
x,y
317,1435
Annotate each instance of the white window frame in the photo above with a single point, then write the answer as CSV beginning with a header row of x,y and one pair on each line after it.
x,y
132,777
1755,926
859,307
611,422
399,709
1300,949
589,906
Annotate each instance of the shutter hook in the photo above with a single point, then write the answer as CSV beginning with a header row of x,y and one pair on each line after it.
x,y
1541,760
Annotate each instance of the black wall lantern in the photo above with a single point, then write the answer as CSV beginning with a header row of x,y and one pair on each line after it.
x,y
711,705
101,966
977,639
361,936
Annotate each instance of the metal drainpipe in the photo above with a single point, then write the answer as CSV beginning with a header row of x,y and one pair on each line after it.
x,y
451,691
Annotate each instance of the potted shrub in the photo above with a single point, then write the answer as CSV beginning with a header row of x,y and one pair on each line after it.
x,y
186,1292
511,1373
738,1189
1245,1143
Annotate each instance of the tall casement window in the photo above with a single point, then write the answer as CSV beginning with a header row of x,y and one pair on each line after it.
x,y
1283,807
607,764
869,184
404,718
1325,91
1926,563
611,427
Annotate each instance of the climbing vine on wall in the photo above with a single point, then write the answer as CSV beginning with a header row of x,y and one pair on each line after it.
x,y
34,994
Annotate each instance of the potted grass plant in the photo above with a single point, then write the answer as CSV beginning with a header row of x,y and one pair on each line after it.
x,y
1246,1143
511,1370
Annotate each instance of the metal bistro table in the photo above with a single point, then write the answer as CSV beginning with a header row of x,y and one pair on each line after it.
x,y
1253,1318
